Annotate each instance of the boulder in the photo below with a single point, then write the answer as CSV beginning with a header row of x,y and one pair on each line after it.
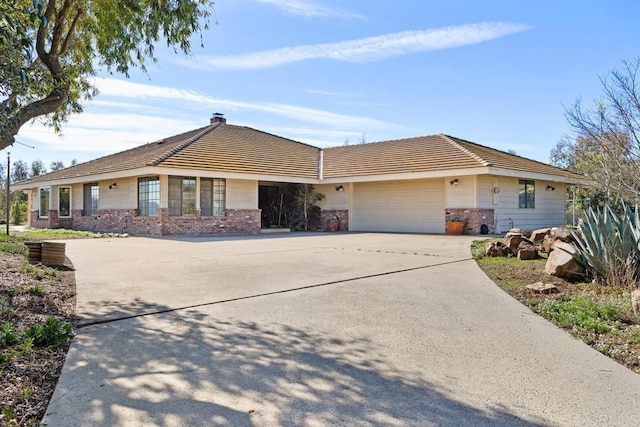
x,y
526,251
538,236
512,241
561,233
496,249
635,301
543,288
561,262
547,244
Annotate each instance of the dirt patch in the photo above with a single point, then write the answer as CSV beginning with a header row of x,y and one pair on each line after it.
x,y
29,374
621,342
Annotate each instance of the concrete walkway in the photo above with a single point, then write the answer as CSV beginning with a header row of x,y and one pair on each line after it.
x,y
319,329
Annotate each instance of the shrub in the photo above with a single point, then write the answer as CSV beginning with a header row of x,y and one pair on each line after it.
x,y
608,246
584,314
52,332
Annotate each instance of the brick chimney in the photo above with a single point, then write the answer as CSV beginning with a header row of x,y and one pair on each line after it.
x,y
218,118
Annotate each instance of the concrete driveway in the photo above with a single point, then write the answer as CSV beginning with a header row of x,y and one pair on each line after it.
x,y
315,330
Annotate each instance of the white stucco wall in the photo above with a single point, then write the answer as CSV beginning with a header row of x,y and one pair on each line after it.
x,y
338,200
549,205
123,196
462,195
242,194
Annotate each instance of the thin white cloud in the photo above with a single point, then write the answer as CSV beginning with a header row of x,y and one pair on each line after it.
x,y
307,9
131,90
328,93
367,49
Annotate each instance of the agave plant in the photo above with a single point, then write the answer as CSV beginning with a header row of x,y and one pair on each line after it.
x,y
608,245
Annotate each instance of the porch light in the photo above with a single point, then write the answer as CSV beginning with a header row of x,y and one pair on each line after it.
x,y
114,185
454,182
339,188
550,188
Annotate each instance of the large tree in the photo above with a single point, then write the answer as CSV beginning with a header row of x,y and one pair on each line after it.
x,y
50,49
605,144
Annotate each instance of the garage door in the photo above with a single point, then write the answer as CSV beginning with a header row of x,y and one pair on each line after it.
x,y
400,206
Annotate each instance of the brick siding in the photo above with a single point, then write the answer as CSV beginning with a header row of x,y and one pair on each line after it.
x,y
341,214
235,221
475,218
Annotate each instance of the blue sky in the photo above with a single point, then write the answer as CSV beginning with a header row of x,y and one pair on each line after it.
x,y
327,71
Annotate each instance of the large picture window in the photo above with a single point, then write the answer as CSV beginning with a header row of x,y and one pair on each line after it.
x,y
64,202
182,195
91,199
527,194
212,196
45,197
148,196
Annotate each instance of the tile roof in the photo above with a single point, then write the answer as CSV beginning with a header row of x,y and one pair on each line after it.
x,y
425,154
244,150
221,147
217,147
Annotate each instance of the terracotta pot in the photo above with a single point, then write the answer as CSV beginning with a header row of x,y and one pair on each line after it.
x,y
333,224
456,227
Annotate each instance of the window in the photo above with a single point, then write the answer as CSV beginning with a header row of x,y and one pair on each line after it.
x,y
44,202
91,197
527,194
64,202
182,195
148,196
212,196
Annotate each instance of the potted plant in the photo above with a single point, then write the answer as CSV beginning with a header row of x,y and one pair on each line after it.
x,y
456,226
333,224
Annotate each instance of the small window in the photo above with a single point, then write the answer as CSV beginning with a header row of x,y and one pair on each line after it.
x,y
45,196
527,194
64,202
182,195
148,196
212,196
91,199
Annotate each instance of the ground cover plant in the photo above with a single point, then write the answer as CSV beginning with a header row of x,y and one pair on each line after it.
x,y
597,313
37,307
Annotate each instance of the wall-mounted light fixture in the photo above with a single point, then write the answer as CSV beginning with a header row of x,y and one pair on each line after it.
x,y
454,182
550,188
114,185
339,188
496,190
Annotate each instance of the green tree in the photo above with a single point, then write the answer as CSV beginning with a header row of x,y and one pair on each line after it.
x,y
56,165
49,50
37,168
19,171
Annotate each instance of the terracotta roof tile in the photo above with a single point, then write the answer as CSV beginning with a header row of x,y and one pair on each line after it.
x,y
425,154
240,149
228,148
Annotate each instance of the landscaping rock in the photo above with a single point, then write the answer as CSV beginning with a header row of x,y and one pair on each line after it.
x,y
527,251
561,262
543,288
561,233
538,236
635,301
496,249
547,243
513,241
514,231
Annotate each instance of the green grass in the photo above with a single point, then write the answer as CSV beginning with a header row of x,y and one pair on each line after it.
x,y
477,248
53,234
38,272
13,248
34,290
587,314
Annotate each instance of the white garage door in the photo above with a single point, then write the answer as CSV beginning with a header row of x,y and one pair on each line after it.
x,y
400,206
